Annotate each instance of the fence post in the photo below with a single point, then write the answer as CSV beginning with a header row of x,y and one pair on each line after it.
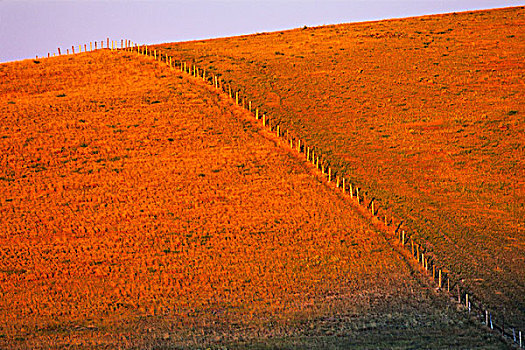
x,y
107,43
59,52
85,47
372,207
256,113
439,283
264,119
403,238
278,132
90,46
351,190
236,97
73,49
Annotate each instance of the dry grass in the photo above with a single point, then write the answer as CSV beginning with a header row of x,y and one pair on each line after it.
x,y
141,209
426,114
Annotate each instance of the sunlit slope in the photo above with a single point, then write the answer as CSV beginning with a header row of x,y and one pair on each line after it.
x,y
425,114
140,208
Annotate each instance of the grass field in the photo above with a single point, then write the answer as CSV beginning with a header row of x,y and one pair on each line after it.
x,y
425,114
141,209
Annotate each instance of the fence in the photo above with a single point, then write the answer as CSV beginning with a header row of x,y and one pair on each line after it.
x,y
93,45
312,154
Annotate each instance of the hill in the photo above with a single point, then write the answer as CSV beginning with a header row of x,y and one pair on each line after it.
x,y
140,208
424,114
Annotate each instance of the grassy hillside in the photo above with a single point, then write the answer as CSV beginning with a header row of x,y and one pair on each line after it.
x,y
140,208
426,114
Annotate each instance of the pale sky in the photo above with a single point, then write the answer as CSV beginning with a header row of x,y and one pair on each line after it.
x,y
30,28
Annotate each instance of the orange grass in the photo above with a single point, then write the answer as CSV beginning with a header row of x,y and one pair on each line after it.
x,y
424,114
139,208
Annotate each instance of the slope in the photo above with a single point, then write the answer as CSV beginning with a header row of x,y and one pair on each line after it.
x,y
425,114
141,209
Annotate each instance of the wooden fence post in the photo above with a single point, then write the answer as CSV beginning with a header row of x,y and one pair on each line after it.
x,y
344,185
90,46
403,237
107,43
278,131
357,193
73,49
85,47
236,97
372,207
264,119
351,190
60,54
256,113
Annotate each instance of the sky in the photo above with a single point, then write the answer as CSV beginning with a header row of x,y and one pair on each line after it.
x,y
33,28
